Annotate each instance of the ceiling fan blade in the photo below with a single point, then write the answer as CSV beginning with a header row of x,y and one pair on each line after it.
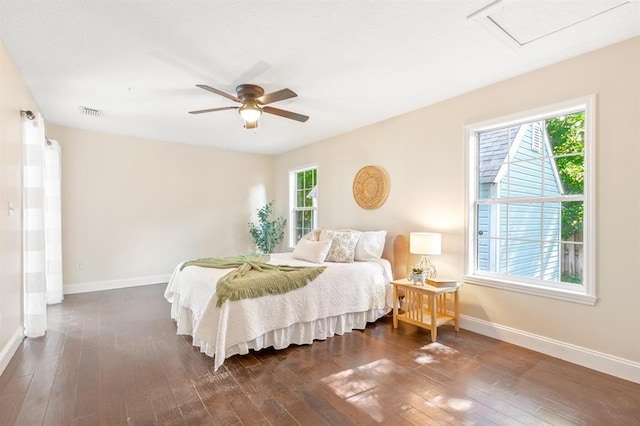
x,y
285,114
280,95
200,111
218,92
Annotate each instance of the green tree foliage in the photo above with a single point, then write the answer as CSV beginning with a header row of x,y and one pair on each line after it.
x,y
268,233
306,182
566,134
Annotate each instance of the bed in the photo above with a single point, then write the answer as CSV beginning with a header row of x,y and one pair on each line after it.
x,y
345,297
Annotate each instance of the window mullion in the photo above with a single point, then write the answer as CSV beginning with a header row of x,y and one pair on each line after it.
x,y
563,198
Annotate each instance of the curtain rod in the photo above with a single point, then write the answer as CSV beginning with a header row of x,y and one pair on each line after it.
x,y
29,114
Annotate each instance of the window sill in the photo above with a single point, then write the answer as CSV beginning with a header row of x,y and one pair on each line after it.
x,y
551,293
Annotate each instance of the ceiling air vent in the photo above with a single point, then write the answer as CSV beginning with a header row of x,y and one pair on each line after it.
x,y
92,112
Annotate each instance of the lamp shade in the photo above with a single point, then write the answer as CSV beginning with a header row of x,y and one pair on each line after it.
x,y
426,243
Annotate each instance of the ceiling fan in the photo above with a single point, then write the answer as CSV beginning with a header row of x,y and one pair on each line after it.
x,y
254,103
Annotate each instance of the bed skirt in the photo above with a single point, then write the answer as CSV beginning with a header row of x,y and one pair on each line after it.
x,y
296,334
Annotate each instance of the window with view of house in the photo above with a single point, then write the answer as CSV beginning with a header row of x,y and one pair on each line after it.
x,y
530,197
303,191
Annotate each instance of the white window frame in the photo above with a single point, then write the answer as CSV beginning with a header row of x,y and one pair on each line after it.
x,y
293,208
587,295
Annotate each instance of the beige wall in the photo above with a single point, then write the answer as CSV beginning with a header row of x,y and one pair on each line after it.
x,y
424,154
14,96
134,208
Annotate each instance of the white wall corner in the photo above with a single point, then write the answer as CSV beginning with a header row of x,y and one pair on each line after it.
x,y
115,284
605,363
10,348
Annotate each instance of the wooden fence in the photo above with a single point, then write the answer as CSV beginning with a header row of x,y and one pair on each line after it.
x,y
573,257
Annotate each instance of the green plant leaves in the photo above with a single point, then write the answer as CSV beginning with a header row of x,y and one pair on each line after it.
x,y
267,234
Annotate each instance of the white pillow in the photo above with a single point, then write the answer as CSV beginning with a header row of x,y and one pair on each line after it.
x,y
314,235
370,245
311,251
343,245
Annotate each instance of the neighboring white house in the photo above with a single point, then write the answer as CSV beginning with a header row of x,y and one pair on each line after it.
x,y
517,162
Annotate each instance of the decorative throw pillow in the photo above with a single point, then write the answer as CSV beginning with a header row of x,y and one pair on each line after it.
x,y
311,251
370,245
313,235
343,245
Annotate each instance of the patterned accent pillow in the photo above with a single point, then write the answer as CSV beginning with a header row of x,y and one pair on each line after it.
x,y
343,245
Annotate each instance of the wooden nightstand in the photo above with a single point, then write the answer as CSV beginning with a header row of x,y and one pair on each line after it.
x,y
430,315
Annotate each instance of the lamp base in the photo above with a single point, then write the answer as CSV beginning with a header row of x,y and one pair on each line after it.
x,y
429,268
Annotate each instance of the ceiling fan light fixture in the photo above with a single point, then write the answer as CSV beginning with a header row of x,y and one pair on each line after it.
x,y
251,125
254,103
250,112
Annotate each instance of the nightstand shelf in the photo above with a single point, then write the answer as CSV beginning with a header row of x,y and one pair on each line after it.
x,y
426,306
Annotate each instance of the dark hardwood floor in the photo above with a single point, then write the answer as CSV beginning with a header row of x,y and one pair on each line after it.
x,y
113,358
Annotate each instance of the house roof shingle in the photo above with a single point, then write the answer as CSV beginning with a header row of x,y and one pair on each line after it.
x,y
493,150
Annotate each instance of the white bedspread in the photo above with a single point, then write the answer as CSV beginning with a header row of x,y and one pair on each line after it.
x,y
342,289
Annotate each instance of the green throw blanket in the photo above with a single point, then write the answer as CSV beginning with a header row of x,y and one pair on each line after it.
x,y
253,277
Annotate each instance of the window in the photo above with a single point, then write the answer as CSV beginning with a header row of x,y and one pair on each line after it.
x,y
530,203
303,195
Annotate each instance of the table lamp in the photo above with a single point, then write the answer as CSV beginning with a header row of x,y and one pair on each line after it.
x,y
427,244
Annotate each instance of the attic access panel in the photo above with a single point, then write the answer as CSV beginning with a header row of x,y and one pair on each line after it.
x,y
525,21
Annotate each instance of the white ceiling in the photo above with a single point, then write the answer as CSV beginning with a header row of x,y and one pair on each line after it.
x,y
352,63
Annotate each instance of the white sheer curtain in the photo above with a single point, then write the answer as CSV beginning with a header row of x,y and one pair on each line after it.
x,y
53,222
41,206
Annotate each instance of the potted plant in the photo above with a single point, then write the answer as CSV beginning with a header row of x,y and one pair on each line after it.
x,y
268,233
417,275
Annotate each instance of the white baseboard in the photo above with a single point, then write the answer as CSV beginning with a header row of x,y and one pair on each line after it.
x,y
605,363
114,284
10,348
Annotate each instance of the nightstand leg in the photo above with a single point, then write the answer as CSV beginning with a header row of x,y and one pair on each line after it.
x,y
456,310
395,306
434,324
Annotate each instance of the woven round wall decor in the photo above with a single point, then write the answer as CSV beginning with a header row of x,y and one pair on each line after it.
x,y
371,187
